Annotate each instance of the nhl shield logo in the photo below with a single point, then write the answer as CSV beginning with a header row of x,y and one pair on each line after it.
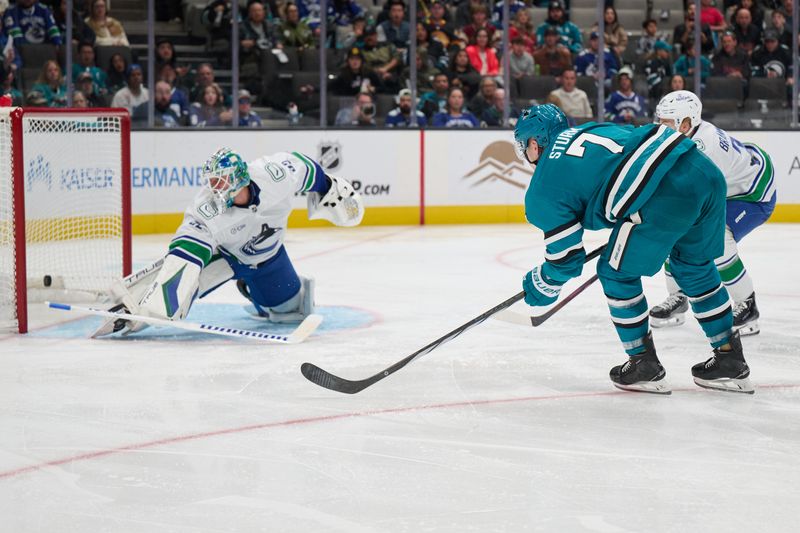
x,y
330,155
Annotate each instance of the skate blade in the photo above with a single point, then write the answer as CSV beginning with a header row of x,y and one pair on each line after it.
x,y
751,328
650,387
670,322
727,384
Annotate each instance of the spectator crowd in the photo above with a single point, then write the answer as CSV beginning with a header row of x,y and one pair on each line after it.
x,y
458,64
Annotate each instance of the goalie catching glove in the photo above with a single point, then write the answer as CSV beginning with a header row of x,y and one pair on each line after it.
x,y
341,205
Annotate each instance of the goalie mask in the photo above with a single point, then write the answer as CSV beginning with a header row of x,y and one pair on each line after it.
x,y
225,174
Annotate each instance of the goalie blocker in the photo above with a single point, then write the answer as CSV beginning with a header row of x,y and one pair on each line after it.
x,y
235,230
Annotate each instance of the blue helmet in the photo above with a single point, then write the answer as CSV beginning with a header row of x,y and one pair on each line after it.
x,y
541,123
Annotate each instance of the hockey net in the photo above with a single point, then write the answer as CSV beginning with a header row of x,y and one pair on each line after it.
x,y
64,206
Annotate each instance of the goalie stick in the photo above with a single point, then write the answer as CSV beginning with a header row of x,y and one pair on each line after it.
x,y
325,379
306,327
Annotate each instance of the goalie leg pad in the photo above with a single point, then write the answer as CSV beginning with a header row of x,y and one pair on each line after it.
x,y
341,205
215,273
174,289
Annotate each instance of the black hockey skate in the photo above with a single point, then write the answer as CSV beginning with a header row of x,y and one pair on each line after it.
x,y
670,312
726,371
745,316
641,373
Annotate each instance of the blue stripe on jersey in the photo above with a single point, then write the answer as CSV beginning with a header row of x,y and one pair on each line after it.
x,y
177,252
194,239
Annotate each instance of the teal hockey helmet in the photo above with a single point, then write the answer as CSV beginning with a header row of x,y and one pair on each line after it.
x,y
541,123
225,174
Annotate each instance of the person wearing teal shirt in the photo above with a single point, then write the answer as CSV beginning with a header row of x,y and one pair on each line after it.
x,y
660,197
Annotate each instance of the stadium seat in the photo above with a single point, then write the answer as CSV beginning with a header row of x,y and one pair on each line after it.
x,y
767,89
722,94
103,55
309,59
589,86
537,87
34,55
383,104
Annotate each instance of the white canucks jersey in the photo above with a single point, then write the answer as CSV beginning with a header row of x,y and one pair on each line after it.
x,y
252,234
747,169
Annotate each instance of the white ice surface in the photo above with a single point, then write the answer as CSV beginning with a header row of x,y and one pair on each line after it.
x,y
503,429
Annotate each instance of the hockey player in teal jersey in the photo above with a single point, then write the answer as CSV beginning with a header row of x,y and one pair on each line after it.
x,y
660,197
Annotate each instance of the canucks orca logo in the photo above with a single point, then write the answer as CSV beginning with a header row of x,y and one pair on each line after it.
x,y
251,246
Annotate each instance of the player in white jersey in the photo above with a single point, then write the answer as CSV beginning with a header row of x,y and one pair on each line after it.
x,y
235,229
751,199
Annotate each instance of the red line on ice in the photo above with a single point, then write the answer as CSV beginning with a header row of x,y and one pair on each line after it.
x,y
328,418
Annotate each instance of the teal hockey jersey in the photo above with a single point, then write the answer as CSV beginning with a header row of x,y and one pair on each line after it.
x,y
592,176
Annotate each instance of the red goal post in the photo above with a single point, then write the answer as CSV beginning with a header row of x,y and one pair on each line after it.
x,y
65,206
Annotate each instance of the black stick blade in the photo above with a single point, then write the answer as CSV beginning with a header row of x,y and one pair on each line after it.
x,y
325,379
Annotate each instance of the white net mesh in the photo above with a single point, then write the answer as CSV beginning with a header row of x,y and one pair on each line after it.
x,y
8,310
73,203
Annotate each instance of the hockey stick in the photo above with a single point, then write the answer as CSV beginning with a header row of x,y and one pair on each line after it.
x,y
524,320
325,379
306,327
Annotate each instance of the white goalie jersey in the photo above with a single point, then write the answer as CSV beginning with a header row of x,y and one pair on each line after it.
x,y
252,234
747,169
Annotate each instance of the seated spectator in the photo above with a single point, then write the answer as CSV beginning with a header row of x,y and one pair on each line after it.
x,y
85,84
165,54
81,32
11,59
755,12
256,40
354,76
8,88
134,94
772,59
295,32
341,14
514,7
163,115
522,27
624,105
650,35
400,116
616,38
395,29
520,62
778,19
552,57
439,26
432,49
204,76
684,65
711,16
354,37
480,21
210,110
425,73
51,85
730,60
30,22
482,56
569,34
79,100
455,116
747,34
485,97
117,73
247,117
657,69
586,64
435,101
384,60
678,83
362,114
178,99
493,115
463,75
108,31
685,32
217,17
85,64
574,101
464,12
